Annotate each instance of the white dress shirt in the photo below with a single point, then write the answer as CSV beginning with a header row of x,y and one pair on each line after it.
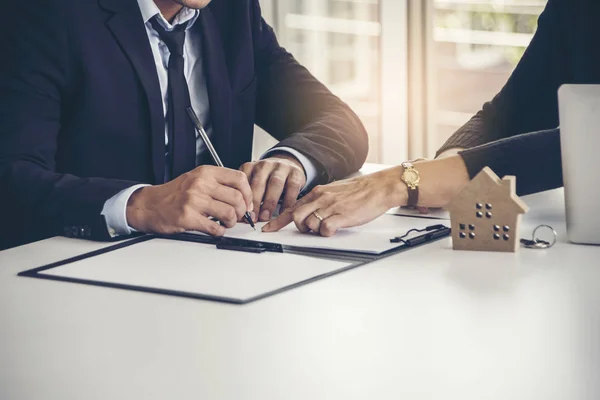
x,y
115,209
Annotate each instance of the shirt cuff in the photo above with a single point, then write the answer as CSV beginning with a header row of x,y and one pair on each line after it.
x,y
309,167
115,212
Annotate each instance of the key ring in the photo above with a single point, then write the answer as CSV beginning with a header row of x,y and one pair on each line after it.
x,y
540,244
554,235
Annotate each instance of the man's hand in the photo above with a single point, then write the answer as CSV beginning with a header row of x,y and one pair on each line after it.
x,y
344,204
270,179
188,202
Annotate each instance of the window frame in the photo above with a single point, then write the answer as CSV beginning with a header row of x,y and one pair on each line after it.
x,y
394,95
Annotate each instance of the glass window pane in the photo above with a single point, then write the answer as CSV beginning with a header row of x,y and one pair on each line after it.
x,y
477,44
339,42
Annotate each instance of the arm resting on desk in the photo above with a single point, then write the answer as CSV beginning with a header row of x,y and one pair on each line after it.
x,y
294,107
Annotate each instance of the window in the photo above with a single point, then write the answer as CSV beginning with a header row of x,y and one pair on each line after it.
x,y
476,45
339,42
413,70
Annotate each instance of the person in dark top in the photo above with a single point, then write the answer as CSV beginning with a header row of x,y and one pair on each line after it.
x,y
515,134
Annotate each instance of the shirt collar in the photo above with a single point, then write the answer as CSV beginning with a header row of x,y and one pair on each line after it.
x,y
186,15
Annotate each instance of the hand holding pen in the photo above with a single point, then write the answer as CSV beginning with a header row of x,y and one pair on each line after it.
x,y
189,202
213,152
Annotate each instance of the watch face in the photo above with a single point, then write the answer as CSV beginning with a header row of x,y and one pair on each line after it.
x,y
411,176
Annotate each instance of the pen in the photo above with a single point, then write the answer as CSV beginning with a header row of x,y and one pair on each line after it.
x,y
213,151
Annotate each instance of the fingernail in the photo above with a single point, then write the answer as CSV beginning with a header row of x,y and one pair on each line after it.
x,y
265,215
253,215
266,228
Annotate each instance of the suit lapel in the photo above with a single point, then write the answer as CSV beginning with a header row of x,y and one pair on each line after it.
x,y
127,26
219,88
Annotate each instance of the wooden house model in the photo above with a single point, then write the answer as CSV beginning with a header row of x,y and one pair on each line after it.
x,y
486,215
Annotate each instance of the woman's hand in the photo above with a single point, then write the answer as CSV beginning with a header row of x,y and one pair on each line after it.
x,y
344,204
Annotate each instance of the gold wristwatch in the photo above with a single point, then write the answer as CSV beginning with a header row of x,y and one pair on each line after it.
x,y
411,177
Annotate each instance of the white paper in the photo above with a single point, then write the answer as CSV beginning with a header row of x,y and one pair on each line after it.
x,y
197,268
373,238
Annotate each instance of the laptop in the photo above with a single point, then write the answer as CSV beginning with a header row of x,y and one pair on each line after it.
x,y
579,107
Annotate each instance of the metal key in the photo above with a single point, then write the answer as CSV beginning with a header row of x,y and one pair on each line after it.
x,y
535,244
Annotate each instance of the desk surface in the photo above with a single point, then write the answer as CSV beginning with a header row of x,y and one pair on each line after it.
x,y
430,323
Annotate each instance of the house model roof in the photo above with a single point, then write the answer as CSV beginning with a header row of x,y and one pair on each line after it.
x,y
488,185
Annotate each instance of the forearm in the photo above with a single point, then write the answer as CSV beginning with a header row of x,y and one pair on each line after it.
x,y
440,181
304,115
453,151
298,110
336,144
534,158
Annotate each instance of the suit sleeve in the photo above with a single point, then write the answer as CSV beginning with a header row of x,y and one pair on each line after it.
x,y
34,92
298,110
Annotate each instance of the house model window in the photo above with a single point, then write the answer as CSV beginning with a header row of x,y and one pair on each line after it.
x,y
485,216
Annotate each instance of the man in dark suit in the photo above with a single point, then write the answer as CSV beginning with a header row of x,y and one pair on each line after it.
x,y
94,139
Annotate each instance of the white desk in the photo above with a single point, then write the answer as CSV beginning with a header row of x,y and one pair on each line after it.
x,y
427,324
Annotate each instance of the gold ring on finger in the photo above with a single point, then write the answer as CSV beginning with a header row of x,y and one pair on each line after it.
x,y
316,214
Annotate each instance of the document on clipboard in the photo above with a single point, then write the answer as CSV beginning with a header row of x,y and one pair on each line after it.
x,y
242,267
370,240
194,270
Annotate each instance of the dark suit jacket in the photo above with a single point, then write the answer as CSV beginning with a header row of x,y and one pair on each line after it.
x,y
516,133
81,116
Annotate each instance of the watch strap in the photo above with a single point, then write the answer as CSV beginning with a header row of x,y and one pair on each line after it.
x,y
413,196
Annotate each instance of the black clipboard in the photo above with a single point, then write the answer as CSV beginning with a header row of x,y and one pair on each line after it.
x,y
353,259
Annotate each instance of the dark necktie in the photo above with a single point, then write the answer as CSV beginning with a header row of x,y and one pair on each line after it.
x,y
182,135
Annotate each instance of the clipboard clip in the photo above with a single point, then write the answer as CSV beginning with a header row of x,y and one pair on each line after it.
x,y
433,232
248,246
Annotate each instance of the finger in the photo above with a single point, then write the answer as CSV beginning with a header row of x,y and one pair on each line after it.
x,y
207,225
333,224
247,169
294,184
313,223
280,222
273,192
423,210
301,214
339,216
223,212
237,180
258,183
231,196
287,217
198,222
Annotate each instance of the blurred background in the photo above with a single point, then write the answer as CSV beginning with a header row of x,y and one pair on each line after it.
x,y
413,70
